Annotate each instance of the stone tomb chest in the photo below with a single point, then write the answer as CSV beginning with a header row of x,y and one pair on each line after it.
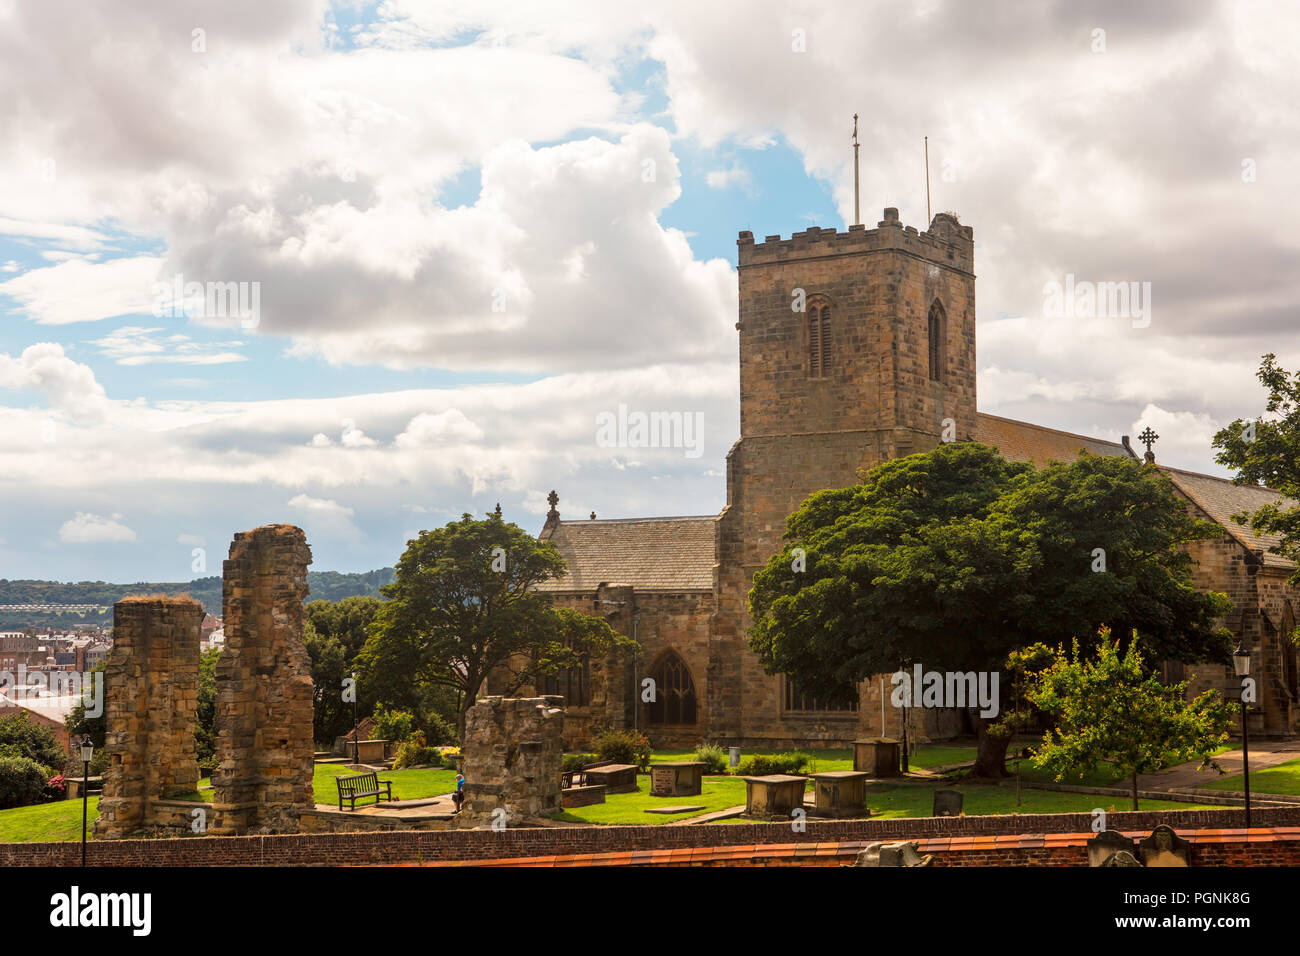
x,y
774,795
683,778
840,793
614,777
876,757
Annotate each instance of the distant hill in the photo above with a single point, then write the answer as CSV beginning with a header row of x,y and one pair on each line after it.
x,y
325,585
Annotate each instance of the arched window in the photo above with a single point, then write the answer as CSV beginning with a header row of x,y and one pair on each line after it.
x,y
937,329
674,701
819,340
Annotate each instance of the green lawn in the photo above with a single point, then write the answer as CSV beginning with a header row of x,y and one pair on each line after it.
x,y
61,820
884,799
45,822
1284,778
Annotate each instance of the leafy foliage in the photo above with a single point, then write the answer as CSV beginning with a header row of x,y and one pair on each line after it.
x,y
956,557
758,765
714,757
464,605
22,781
623,746
20,737
1109,710
1267,451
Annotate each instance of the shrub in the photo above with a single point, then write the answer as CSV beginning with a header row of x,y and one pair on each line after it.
x,y
56,788
414,752
624,746
439,730
22,782
22,737
759,765
393,724
714,757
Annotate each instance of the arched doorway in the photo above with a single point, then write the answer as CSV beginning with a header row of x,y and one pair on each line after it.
x,y
674,701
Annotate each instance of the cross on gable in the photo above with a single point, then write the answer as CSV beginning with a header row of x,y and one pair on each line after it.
x,y
1148,437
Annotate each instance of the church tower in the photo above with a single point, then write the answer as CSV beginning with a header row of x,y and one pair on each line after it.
x,y
855,347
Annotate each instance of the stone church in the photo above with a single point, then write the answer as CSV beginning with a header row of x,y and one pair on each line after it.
x,y
881,356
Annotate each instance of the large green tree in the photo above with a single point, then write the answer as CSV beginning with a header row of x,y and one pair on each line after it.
x,y
465,605
1266,451
955,558
334,633
1110,710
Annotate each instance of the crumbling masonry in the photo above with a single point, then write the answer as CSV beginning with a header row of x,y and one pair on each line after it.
x,y
264,686
152,679
513,754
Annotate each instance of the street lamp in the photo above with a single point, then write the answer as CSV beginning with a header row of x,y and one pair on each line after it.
x,y
1241,665
87,754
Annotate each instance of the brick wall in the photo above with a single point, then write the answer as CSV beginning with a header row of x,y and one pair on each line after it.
x,y
409,846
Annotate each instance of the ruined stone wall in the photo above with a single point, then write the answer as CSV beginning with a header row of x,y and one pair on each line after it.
x,y
151,686
512,756
264,686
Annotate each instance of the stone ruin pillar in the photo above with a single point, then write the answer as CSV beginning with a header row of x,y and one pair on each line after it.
x,y
151,684
511,757
264,689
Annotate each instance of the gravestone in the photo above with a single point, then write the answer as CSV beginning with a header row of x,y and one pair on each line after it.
x,y
840,793
947,803
774,795
876,756
1106,844
1122,858
680,778
902,853
1164,847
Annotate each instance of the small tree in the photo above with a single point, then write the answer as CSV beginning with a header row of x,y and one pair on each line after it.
x,y
20,737
465,605
1110,710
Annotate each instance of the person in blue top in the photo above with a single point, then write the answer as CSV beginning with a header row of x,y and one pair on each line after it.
x,y
458,797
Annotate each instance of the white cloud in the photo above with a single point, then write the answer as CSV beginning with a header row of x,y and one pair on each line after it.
x,y
87,528
78,290
69,386
135,345
449,427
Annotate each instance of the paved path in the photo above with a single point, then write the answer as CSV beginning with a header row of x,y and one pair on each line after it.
x,y
1266,753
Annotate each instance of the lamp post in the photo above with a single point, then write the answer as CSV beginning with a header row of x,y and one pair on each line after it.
x,y
356,733
87,754
1241,664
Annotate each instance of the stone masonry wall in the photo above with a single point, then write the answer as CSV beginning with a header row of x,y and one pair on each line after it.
x,y
264,686
512,755
151,684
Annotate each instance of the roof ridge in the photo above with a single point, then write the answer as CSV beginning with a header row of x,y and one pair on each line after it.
x,y
1055,431
590,521
1226,481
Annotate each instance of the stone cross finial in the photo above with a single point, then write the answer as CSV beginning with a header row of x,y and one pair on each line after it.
x,y
498,511
553,499
1148,437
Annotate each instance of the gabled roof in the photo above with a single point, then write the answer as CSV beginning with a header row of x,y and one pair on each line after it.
x,y
1021,441
652,554
1221,499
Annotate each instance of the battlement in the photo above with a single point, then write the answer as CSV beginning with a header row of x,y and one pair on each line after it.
x,y
947,242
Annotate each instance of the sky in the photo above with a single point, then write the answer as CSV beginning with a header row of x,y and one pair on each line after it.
x,y
364,267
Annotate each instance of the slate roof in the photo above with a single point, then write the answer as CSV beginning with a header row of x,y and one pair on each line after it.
x,y
1221,499
1021,441
652,554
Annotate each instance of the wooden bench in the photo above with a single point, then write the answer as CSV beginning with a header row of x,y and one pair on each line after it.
x,y
356,786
